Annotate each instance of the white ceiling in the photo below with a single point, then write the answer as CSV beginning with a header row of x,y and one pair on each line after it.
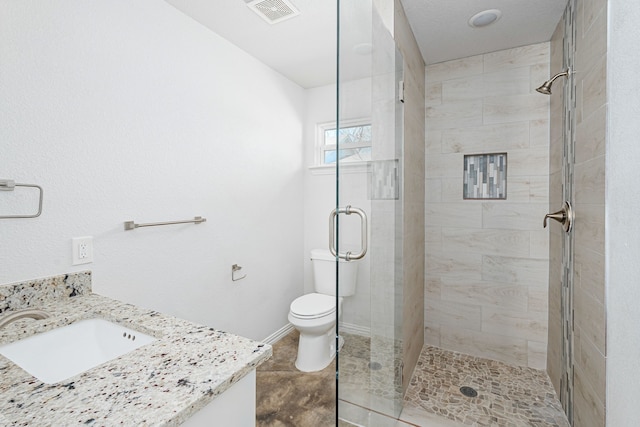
x,y
303,48
442,31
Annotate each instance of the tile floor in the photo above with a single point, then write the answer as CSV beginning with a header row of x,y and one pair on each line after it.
x,y
507,395
286,397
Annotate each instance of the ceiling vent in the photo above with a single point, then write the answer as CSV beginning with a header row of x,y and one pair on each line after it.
x,y
273,11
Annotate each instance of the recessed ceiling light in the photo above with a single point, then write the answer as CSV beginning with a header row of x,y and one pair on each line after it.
x,y
484,18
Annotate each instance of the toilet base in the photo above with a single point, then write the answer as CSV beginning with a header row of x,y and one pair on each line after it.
x,y
317,342
312,362
315,352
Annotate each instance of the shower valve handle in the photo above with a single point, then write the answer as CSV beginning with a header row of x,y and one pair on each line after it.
x,y
563,216
559,216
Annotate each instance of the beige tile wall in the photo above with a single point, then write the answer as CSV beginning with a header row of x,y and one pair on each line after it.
x,y
589,197
413,172
556,234
588,181
487,261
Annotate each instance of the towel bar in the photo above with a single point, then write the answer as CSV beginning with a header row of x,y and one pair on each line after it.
x,y
130,225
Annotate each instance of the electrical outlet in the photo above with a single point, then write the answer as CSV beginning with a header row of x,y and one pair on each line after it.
x,y
82,250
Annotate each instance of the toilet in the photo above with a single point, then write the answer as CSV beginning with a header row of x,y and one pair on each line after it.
x,y
314,315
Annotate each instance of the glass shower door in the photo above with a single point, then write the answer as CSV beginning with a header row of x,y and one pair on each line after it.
x,y
369,161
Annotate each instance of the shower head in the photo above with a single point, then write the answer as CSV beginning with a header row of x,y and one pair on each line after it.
x,y
545,89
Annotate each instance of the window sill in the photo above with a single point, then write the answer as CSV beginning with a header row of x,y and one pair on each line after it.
x,y
351,167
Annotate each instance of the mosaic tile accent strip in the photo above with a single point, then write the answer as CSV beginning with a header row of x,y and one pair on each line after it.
x,y
383,180
566,299
485,176
507,395
37,292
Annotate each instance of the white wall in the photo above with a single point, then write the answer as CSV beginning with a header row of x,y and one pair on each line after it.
x,y
320,190
622,204
132,111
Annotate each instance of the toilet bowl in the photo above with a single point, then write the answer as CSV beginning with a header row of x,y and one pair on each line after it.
x,y
314,315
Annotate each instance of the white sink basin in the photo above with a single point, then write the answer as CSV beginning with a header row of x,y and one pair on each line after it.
x,y
61,353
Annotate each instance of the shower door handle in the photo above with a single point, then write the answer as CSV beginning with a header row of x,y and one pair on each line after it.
x,y
564,216
348,256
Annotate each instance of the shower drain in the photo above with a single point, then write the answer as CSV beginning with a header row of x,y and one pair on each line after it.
x,y
375,366
468,391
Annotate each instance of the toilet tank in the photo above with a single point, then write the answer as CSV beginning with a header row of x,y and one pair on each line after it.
x,y
324,273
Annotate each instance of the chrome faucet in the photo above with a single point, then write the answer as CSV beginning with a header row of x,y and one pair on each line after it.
x,y
21,314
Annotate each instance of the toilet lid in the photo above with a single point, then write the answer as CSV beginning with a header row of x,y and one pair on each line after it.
x,y
313,305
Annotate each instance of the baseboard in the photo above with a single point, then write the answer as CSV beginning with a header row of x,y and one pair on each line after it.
x,y
348,328
352,329
279,334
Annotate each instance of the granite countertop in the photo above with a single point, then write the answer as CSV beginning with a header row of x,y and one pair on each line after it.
x,y
159,384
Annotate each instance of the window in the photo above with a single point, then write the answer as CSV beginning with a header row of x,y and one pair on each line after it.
x,y
355,142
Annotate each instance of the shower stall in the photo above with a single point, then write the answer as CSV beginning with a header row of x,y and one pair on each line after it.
x,y
382,325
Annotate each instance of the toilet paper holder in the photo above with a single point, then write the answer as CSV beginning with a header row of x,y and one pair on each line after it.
x,y
235,269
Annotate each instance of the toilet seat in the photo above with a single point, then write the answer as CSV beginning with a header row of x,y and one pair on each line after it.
x,y
312,306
